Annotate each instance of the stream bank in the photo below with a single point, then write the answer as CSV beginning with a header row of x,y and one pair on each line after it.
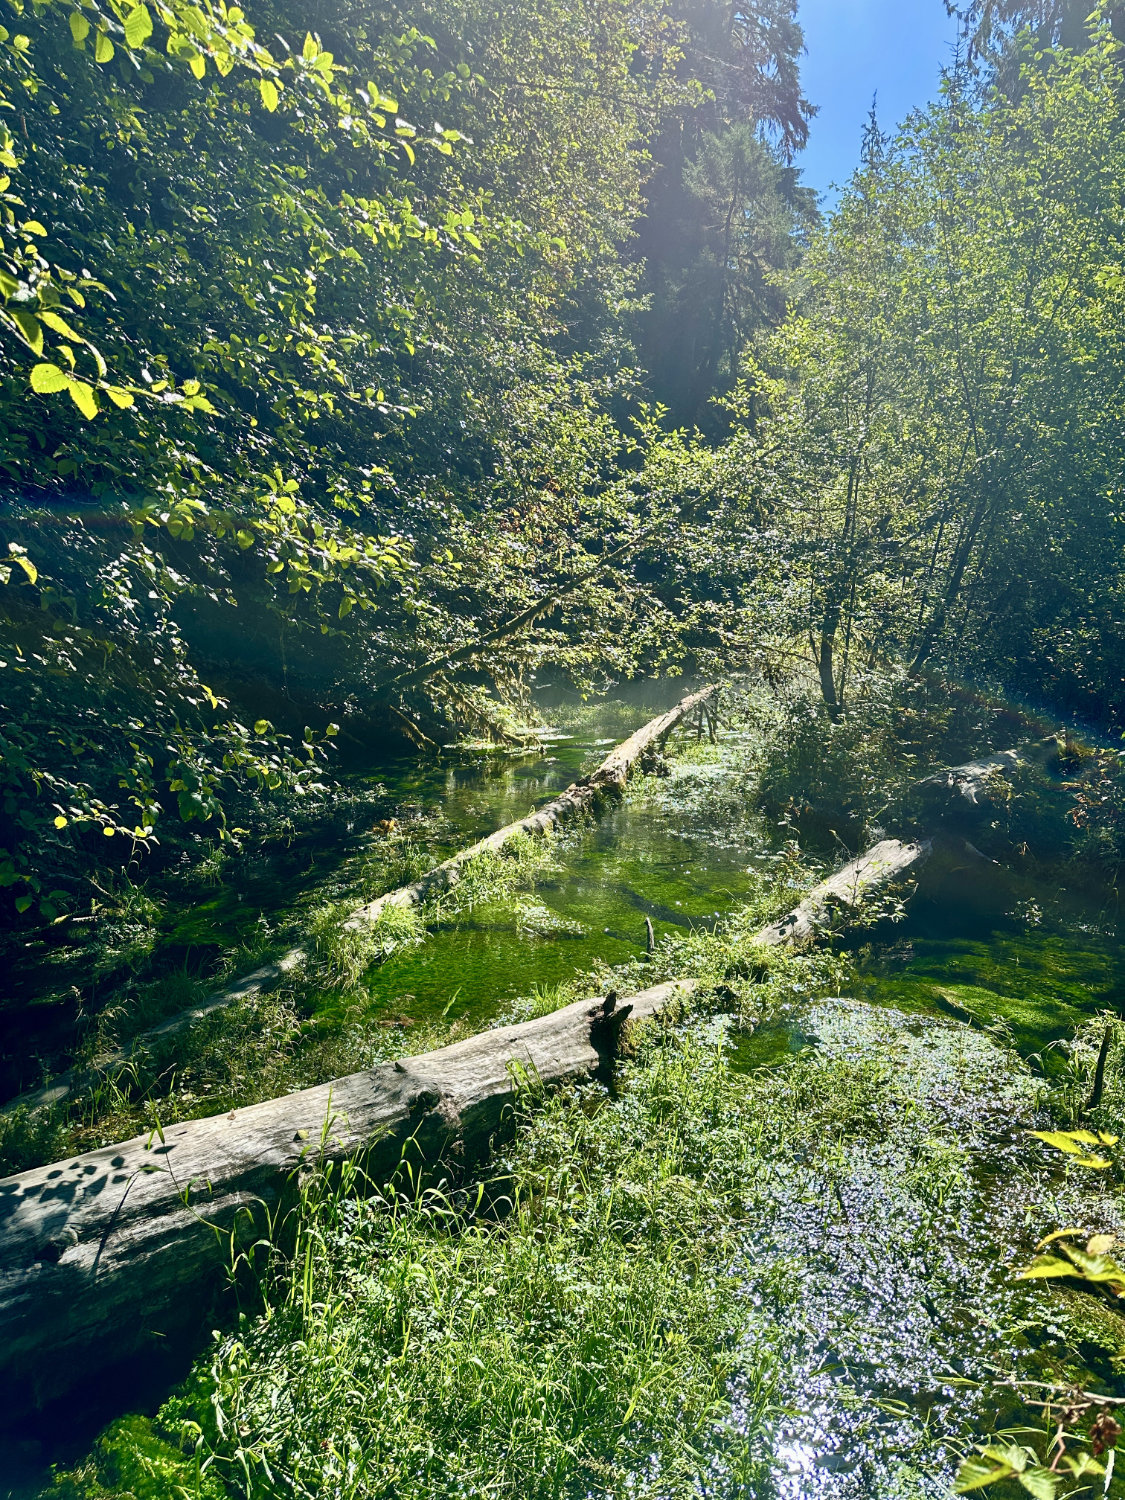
x,y
777,1001
789,1281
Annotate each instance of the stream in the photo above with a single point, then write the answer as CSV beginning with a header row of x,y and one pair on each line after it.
x,y
684,850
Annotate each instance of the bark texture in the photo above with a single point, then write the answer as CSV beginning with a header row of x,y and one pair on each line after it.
x,y
105,1253
838,901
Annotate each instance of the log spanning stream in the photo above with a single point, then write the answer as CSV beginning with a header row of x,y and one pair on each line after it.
x,y
100,1253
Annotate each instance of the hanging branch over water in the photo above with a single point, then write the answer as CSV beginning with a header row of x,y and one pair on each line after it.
x,y
525,617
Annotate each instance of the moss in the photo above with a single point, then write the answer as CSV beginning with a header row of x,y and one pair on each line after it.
x,y
132,1461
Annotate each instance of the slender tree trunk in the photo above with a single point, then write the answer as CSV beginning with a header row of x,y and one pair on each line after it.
x,y
826,664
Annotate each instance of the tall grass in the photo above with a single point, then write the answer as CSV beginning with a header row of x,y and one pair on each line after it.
x,y
648,1295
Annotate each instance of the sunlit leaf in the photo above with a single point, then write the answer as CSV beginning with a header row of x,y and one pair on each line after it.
x,y
138,26
83,397
1046,1265
1040,1483
46,379
31,328
989,1467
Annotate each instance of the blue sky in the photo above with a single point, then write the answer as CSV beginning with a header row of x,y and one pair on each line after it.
x,y
855,48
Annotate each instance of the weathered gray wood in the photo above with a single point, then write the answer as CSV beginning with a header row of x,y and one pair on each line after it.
x,y
840,899
103,1253
581,796
970,783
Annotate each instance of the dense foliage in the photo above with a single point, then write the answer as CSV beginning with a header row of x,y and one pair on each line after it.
x,y
314,371
933,436
328,374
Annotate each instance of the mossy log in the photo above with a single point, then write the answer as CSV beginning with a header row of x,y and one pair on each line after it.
x,y
581,796
841,899
968,786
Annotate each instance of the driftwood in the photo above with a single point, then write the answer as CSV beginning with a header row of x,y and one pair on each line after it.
x,y
581,796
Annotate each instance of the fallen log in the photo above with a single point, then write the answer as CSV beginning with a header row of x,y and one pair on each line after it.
x,y
106,1256
581,796
838,901
971,782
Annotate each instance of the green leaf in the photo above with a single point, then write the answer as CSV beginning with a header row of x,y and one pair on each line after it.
x,y
31,329
1046,1265
29,568
59,325
1063,1140
103,48
268,90
989,1467
244,539
60,821
262,726
1039,1482
83,397
46,379
1060,1234
23,902
138,26
1082,1463
79,28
